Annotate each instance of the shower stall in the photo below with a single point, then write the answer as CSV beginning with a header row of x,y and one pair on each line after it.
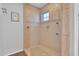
x,y
49,37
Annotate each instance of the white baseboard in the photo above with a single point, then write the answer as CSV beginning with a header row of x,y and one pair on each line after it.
x,y
14,52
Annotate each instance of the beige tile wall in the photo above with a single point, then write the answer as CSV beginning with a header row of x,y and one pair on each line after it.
x,y
48,36
31,19
65,30
59,13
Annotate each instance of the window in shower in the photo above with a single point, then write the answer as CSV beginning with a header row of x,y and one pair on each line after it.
x,y
45,16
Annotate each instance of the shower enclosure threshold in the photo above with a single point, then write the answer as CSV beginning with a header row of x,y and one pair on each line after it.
x,y
41,51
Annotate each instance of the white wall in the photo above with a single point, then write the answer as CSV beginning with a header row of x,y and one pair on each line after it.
x,y
1,41
11,32
74,25
71,53
76,12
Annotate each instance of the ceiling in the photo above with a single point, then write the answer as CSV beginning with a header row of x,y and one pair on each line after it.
x,y
38,5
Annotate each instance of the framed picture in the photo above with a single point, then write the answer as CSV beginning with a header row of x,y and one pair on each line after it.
x,y
14,16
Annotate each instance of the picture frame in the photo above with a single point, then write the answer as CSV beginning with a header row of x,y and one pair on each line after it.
x,y
14,17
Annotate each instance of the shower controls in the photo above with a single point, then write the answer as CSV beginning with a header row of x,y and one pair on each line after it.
x,y
57,33
57,23
27,27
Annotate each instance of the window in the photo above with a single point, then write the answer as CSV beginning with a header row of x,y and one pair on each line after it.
x,y
45,16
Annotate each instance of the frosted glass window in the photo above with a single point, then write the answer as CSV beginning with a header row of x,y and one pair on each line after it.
x,y
45,16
